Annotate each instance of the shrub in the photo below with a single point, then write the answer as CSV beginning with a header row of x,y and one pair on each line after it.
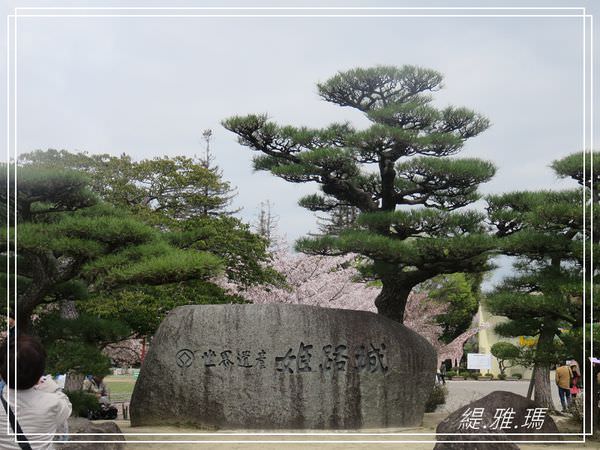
x,y
502,376
517,375
473,375
82,403
451,373
437,397
506,354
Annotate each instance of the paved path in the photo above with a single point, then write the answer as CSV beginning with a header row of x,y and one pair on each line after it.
x,y
410,439
459,393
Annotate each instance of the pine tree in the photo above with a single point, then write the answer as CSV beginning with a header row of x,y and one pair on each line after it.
x,y
70,246
507,355
398,163
67,241
178,196
545,231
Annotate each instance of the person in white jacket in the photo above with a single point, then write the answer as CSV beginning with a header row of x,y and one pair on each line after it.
x,y
40,407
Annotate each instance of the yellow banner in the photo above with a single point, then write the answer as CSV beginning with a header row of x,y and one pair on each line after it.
x,y
525,341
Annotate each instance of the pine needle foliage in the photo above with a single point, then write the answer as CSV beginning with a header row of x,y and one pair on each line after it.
x,y
547,231
65,237
400,173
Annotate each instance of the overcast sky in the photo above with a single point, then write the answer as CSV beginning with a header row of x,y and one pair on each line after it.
x,y
150,86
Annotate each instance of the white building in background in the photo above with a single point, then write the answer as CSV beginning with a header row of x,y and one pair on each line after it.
x,y
487,338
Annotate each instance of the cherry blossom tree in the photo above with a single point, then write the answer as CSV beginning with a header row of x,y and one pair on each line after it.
x,y
327,281
127,353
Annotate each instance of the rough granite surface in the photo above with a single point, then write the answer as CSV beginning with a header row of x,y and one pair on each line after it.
x,y
282,366
81,425
508,416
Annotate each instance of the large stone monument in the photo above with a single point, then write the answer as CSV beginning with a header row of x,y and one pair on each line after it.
x,y
283,367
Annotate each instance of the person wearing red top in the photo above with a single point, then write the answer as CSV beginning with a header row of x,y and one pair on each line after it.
x,y
576,377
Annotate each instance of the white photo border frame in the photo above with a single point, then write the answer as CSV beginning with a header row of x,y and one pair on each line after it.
x,y
587,136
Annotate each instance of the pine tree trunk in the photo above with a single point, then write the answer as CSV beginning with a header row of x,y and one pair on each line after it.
x,y
391,301
74,381
543,392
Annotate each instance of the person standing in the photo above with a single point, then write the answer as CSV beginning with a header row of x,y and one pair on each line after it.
x,y
563,377
576,377
443,373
